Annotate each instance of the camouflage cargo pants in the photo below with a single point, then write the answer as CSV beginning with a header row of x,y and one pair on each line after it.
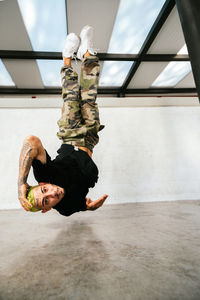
x,y
79,124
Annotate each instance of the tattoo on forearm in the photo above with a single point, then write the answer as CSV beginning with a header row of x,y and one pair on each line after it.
x,y
25,162
25,153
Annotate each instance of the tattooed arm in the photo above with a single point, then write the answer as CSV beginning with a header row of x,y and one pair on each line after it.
x,y
32,148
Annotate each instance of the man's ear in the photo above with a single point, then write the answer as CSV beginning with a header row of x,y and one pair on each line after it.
x,y
45,210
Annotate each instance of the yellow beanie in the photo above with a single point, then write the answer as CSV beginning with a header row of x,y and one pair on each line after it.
x,y
31,199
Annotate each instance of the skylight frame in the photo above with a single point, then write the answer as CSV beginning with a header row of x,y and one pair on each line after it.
x,y
121,91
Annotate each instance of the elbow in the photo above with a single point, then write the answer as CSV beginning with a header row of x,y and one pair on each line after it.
x,y
32,140
34,144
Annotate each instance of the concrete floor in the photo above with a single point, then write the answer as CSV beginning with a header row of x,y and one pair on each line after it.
x,y
130,251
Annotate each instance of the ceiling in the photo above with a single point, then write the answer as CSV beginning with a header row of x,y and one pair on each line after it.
x,y
126,71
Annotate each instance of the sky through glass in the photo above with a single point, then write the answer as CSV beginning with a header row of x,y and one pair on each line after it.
x,y
50,71
45,21
174,72
5,79
114,73
132,25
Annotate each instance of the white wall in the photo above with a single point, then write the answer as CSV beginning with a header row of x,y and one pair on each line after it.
x,y
144,154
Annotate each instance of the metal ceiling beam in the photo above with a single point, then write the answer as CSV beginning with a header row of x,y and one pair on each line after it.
x,y
15,54
147,57
166,57
163,15
67,28
101,91
189,13
12,54
161,91
54,91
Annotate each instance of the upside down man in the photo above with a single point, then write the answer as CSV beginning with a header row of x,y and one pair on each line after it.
x,y
64,182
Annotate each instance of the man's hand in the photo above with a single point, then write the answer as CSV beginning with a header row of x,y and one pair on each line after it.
x,y
93,205
45,210
22,189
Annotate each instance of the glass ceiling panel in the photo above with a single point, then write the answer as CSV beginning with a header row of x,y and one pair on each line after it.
x,y
5,79
174,72
114,73
50,71
45,21
132,25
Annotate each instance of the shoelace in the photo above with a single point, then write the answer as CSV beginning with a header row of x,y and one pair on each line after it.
x,y
75,58
93,50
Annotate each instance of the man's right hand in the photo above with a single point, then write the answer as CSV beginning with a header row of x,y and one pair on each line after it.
x,y
22,196
93,205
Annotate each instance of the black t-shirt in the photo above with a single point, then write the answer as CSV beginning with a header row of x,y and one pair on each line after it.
x,y
73,170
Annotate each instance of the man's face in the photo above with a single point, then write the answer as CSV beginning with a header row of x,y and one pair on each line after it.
x,y
47,195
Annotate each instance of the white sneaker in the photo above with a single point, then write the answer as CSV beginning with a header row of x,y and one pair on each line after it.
x,y
71,45
86,37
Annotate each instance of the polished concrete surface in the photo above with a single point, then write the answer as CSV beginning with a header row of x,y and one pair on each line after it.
x,y
119,252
